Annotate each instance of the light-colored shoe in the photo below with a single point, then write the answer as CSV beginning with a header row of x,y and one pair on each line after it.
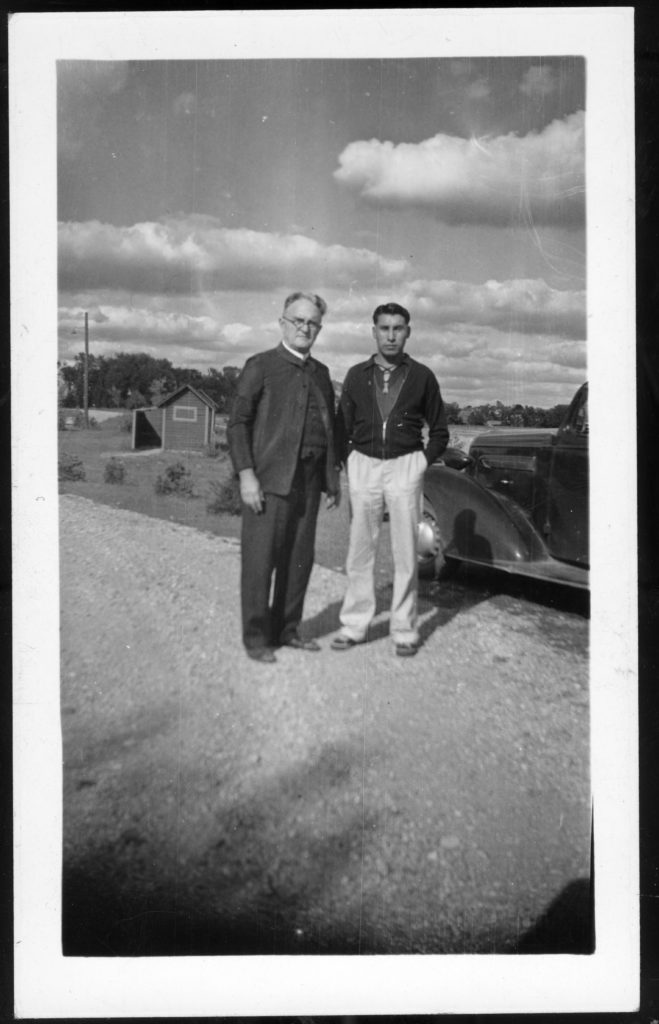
x,y
344,643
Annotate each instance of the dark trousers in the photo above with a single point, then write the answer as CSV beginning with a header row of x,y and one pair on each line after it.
x,y
280,541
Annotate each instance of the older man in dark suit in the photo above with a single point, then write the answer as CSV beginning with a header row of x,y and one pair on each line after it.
x,y
281,440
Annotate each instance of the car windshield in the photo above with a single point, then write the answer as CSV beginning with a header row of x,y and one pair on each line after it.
x,y
581,419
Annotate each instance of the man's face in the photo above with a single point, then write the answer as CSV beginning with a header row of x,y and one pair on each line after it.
x,y
390,333
300,325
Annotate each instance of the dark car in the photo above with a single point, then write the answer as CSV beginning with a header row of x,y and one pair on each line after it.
x,y
517,502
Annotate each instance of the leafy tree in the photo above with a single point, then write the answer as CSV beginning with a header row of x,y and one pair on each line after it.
x,y
554,417
74,377
134,372
231,375
452,412
220,385
515,416
114,398
184,375
135,400
62,385
160,386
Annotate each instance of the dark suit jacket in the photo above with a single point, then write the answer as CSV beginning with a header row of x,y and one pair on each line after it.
x,y
267,418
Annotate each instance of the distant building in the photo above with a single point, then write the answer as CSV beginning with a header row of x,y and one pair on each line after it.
x,y
182,421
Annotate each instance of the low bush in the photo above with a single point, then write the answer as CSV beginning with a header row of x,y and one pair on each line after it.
x,y
127,423
225,497
70,467
175,480
115,471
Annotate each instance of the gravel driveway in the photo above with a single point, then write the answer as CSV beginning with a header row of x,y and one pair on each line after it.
x,y
330,803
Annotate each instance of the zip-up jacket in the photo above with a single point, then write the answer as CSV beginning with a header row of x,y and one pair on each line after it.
x,y
361,427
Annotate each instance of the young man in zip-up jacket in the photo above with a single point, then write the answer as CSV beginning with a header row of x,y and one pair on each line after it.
x,y
384,404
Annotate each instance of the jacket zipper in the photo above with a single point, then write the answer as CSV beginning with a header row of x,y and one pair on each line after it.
x,y
385,421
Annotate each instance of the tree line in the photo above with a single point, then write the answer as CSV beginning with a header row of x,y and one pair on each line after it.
x,y
498,414
133,380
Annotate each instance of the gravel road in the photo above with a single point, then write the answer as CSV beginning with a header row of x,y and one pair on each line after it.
x,y
330,803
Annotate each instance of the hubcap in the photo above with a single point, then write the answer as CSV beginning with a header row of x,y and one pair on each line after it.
x,y
427,538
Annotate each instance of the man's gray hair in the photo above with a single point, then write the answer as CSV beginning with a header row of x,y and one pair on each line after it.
x,y
319,303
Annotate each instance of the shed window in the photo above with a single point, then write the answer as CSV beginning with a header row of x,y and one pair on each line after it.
x,y
185,412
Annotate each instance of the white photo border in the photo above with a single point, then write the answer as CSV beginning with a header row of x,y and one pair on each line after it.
x,y
50,985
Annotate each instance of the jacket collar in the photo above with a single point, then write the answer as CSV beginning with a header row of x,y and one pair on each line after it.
x,y
370,363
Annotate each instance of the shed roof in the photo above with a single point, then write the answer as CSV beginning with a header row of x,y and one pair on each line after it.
x,y
201,395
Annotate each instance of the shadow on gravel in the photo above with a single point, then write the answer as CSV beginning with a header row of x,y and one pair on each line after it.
x,y
271,876
473,585
541,592
105,920
444,600
567,926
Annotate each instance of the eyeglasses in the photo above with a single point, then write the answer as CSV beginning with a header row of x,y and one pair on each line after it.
x,y
298,323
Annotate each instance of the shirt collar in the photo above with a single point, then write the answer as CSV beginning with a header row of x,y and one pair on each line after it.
x,y
300,358
370,363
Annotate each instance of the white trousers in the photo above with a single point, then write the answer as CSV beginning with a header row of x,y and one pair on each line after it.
x,y
372,483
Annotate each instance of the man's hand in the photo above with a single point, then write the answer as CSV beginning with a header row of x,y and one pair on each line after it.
x,y
333,500
250,490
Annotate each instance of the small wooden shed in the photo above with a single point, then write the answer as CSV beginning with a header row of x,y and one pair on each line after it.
x,y
182,421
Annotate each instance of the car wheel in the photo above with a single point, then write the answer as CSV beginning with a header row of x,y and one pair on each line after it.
x,y
431,546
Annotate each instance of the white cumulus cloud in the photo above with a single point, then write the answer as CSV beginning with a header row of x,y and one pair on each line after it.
x,y
188,255
134,326
491,180
522,306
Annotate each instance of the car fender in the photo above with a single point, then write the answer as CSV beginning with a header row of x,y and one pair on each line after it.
x,y
479,525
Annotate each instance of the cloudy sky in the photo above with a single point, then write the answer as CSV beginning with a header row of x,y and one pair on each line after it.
x,y
193,196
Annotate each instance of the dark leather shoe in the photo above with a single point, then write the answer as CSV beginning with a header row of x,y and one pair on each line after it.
x,y
299,644
263,654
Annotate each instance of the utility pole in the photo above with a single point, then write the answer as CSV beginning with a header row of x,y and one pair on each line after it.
x,y
85,379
